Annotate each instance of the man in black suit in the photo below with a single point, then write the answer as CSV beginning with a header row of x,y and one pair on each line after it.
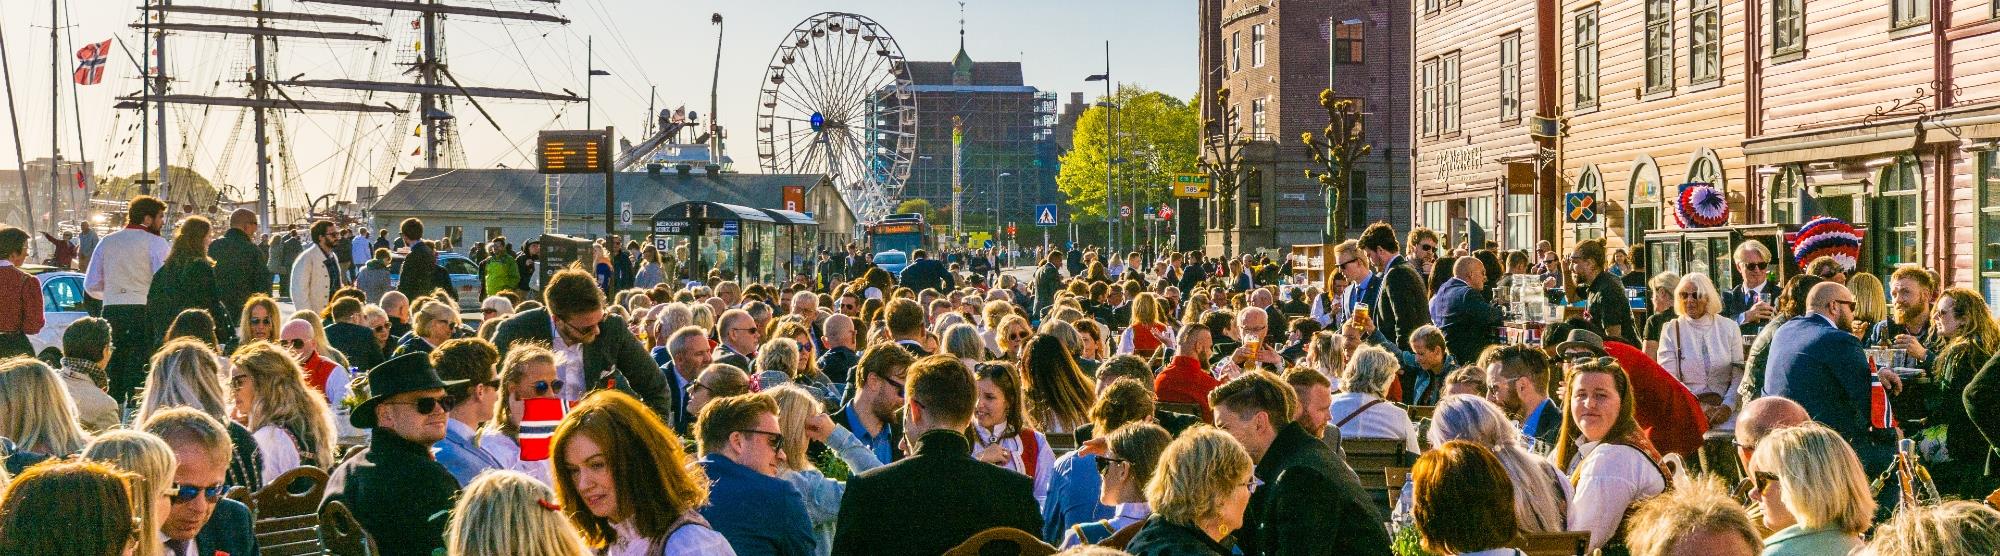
x,y
398,492
1751,301
739,337
926,273
1305,505
839,340
420,274
1402,301
934,500
1518,376
598,350
349,334
201,521
1048,281
240,269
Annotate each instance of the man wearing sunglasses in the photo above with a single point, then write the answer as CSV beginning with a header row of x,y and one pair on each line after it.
x,y
201,521
742,454
1817,363
1749,303
322,373
739,337
689,353
468,361
394,488
594,349
1402,302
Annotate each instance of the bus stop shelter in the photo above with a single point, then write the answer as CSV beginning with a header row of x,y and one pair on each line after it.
x,y
743,243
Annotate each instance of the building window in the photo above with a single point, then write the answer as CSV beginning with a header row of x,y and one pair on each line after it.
x,y
1707,168
1347,42
1908,13
1357,200
1592,183
1788,26
1510,77
1257,119
1427,77
1479,217
1989,226
1448,93
1235,51
1520,222
1253,194
1895,214
1659,45
1585,59
1257,45
1704,42
1783,201
1642,202
1430,6
1434,215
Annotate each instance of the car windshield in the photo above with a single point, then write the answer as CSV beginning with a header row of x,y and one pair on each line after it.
x,y
459,266
890,258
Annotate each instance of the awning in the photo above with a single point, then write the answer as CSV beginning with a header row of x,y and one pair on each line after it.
x,y
1831,145
791,217
711,212
1983,124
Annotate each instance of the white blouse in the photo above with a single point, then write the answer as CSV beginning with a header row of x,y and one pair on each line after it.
x,y
280,452
1384,420
1045,458
1609,479
1704,354
692,539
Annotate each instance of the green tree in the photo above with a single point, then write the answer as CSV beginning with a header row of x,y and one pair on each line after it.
x,y
1155,139
186,187
919,206
1337,149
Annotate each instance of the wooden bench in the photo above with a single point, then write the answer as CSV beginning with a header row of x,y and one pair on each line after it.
x,y
341,534
1420,412
287,513
1392,483
1566,543
1370,458
1027,544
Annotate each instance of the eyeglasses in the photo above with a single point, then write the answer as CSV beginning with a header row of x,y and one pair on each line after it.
x,y
752,330
295,343
777,438
426,405
1426,247
696,387
1343,264
1253,483
183,494
1756,267
1691,296
1104,463
544,387
488,312
1844,303
1017,338
260,322
240,381
1763,479
381,328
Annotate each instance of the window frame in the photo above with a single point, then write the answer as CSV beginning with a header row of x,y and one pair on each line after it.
x,y
1644,169
1584,83
1783,193
1908,173
1353,45
1258,106
1987,186
1707,157
1510,77
1450,107
1257,38
1357,199
1904,14
1235,51
1788,29
1659,46
1520,222
1704,19
1431,6
1427,88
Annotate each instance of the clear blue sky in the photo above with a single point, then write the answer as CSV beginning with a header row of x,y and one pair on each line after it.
x,y
643,43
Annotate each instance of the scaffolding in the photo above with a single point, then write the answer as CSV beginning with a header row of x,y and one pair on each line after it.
x,y
1010,156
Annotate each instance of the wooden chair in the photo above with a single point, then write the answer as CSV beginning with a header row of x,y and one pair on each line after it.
x,y
1060,442
1566,543
341,533
1370,457
1123,536
238,493
1420,412
1028,544
1392,483
287,513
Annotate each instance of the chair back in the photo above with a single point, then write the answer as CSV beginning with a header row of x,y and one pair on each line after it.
x,y
1565,543
1060,442
1392,483
1420,412
341,533
287,513
1124,536
1027,544
1370,457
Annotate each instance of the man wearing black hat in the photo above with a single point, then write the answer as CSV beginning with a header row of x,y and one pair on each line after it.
x,y
398,493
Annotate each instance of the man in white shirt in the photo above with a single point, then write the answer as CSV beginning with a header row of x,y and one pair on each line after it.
x,y
121,272
316,273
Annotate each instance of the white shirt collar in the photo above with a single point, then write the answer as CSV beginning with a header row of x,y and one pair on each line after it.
x,y
6,263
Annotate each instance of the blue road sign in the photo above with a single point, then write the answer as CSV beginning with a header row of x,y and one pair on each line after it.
x,y
1045,216
730,227
989,244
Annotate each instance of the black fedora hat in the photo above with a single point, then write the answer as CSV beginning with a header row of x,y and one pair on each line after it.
x,y
410,372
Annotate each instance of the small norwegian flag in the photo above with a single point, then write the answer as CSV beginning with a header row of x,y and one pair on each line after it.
x,y
1880,414
539,417
90,62
79,180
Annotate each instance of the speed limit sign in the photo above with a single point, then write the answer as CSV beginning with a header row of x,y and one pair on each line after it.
x,y
1125,211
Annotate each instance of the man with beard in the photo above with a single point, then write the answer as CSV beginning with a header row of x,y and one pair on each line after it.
x,y
878,394
1608,308
1813,362
239,268
1914,291
1517,378
316,273
121,273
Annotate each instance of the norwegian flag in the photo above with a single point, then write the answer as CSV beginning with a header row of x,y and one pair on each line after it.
x,y
79,180
539,417
90,63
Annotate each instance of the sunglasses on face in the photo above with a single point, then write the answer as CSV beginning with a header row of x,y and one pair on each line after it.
x,y
1104,463
1844,303
1426,247
1756,267
294,343
381,328
777,439
260,321
183,494
426,405
1762,480
1691,295
545,387
240,381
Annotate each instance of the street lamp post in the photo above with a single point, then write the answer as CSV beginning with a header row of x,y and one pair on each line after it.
x,y
591,73
1110,193
997,226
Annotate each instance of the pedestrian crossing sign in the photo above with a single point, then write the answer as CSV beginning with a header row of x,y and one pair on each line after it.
x,y
1045,216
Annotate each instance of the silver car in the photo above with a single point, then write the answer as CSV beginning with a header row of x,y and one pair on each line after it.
x,y
62,303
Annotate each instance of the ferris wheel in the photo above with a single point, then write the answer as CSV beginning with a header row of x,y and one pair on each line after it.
x,y
836,101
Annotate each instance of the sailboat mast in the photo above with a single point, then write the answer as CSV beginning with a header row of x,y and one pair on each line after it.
x,y
160,110
258,89
428,69
55,112
14,121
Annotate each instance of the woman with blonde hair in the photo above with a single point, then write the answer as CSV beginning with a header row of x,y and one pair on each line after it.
x,y
1326,353
1198,494
288,418
626,483
1815,495
36,411
1955,528
803,420
186,373
186,280
434,325
962,341
1704,350
1961,315
152,463
1871,302
507,513
258,322
1360,409
1012,336
1148,331
1541,493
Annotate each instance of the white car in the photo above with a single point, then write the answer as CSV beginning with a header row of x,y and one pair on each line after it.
x,y
62,303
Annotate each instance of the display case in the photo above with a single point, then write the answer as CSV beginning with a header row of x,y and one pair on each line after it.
x,y
1712,251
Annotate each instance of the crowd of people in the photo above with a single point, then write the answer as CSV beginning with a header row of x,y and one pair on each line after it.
x,y
1149,404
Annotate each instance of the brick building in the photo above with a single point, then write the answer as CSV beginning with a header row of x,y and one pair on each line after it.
x,y
1009,129
1273,57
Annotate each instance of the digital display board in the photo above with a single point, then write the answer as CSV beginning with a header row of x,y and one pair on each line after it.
x,y
572,152
895,228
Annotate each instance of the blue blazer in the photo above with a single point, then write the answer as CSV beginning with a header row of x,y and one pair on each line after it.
x,y
227,531
1467,318
1824,369
459,456
759,514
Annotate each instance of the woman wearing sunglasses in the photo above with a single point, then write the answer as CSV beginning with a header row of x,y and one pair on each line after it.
x,y
288,418
186,373
258,322
1814,493
1704,350
152,461
1198,495
1130,455
528,372
435,324
626,483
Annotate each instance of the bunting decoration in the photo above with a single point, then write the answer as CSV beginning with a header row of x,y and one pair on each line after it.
x,y
1827,236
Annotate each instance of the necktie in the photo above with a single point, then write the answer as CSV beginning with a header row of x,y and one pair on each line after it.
x,y
177,547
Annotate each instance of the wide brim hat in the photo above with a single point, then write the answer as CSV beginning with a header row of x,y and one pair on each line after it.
x,y
409,372
1583,339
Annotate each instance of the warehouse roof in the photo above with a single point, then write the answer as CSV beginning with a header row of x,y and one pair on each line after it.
x,y
519,192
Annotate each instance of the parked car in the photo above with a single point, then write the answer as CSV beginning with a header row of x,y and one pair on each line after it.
x,y
465,282
63,302
892,261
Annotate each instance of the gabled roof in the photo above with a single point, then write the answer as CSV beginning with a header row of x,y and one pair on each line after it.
x,y
519,192
983,73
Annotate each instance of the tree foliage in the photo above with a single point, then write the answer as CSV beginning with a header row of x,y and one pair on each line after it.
x,y
1155,139
919,206
187,187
